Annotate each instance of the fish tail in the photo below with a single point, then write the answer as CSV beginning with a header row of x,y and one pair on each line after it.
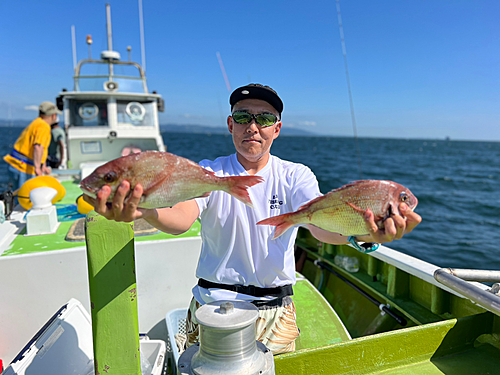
x,y
281,222
237,186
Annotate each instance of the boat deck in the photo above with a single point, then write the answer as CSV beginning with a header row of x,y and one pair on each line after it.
x,y
70,233
445,334
319,324
454,346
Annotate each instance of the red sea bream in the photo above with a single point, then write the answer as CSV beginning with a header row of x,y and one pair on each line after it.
x,y
167,179
341,210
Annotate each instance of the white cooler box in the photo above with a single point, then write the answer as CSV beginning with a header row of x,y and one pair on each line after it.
x,y
63,346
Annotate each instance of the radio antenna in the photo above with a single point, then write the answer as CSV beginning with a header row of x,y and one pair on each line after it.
x,y
351,103
73,44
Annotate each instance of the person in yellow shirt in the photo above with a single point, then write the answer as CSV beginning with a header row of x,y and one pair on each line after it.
x,y
29,155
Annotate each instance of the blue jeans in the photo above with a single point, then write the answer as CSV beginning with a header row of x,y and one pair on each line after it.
x,y
18,178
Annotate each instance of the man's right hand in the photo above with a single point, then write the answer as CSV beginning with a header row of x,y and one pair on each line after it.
x,y
174,220
119,209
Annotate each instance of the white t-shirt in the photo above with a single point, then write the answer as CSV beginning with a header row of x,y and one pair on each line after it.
x,y
235,250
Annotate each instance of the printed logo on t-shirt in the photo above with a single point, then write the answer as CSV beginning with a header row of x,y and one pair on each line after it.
x,y
275,202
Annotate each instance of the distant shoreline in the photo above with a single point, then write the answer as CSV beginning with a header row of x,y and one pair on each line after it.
x,y
201,129
181,128
285,131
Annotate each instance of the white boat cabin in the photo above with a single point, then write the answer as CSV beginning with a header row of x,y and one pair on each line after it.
x,y
109,115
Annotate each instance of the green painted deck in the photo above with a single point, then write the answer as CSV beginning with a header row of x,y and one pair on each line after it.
x,y
318,323
454,346
57,241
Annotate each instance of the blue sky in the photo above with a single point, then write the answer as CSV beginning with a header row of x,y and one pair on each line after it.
x,y
426,69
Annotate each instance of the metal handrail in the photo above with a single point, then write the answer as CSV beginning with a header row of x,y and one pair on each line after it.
x,y
77,75
476,275
90,61
106,76
455,279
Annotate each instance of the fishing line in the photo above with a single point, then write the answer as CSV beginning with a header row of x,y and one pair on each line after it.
x,y
351,103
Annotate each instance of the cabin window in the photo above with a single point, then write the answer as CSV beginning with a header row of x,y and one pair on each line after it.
x,y
135,113
89,113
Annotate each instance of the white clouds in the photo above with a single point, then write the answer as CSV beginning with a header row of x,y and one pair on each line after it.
x,y
31,108
307,123
192,116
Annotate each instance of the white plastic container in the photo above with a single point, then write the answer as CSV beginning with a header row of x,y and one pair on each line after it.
x,y
63,346
350,264
154,352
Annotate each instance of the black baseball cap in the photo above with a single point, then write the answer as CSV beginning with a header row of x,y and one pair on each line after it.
x,y
256,91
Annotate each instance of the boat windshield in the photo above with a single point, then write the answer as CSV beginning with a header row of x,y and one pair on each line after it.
x,y
135,113
97,84
88,113
95,113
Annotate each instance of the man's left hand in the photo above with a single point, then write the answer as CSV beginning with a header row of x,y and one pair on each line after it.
x,y
395,226
46,170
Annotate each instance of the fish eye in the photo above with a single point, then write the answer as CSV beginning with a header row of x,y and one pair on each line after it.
x,y
403,196
109,177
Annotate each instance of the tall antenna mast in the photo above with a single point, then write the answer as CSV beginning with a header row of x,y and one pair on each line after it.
x,y
73,44
351,103
223,72
108,27
110,36
143,47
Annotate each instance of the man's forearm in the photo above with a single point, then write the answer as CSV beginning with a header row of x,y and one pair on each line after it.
x,y
173,220
61,149
326,236
37,158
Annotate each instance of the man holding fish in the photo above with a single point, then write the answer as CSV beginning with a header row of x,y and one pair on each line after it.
x,y
241,260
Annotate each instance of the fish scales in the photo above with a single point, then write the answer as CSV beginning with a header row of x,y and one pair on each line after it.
x,y
334,206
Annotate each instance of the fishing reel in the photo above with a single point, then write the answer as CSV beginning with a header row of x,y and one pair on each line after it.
x,y
7,197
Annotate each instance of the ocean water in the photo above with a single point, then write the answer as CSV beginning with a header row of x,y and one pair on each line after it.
x,y
456,182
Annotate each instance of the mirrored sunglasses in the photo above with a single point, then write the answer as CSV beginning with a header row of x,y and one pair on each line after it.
x,y
263,119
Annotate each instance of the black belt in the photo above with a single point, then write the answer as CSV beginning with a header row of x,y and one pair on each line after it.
x,y
278,291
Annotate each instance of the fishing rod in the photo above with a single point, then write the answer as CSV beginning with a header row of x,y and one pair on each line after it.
x,y
383,307
351,102
221,64
141,27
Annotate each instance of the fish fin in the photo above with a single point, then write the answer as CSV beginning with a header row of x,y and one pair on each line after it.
x,y
356,208
237,186
153,187
281,222
305,206
351,184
